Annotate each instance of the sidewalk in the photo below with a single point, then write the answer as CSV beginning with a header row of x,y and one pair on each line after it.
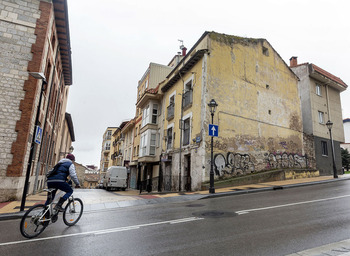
x,y
97,200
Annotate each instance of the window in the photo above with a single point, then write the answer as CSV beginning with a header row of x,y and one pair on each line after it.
x,y
154,113
171,107
265,51
145,116
318,90
108,145
187,97
186,140
143,144
169,138
138,150
136,131
108,135
324,148
134,151
152,149
320,117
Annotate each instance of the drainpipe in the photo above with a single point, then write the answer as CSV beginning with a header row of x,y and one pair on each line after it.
x,y
181,128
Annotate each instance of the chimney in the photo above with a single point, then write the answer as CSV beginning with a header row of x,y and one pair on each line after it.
x,y
184,49
293,61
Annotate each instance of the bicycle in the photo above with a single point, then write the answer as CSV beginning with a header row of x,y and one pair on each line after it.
x,y
39,216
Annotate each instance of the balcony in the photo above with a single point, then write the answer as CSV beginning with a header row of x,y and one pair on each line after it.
x,y
187,99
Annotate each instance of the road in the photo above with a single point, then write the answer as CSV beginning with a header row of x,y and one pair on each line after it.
x,y
277,222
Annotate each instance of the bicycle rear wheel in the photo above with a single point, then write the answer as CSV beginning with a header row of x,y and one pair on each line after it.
x,y
32,221
73,211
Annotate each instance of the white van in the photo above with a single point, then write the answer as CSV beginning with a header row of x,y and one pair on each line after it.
x,y
116,178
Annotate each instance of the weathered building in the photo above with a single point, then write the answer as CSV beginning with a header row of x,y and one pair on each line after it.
x,y
34,37
258,113
149,103
320,101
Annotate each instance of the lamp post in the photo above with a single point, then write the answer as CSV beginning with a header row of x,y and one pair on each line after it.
x,y
40,76
212,105
329,125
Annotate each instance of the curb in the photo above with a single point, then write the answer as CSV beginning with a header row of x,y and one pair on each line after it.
x,y
11,216
249,191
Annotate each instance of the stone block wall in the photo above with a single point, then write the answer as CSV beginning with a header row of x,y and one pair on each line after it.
x,y
17,26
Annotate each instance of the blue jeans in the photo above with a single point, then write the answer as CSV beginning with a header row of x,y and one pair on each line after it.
x,y
64,186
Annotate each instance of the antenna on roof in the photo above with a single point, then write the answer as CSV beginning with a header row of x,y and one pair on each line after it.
x,y
182,43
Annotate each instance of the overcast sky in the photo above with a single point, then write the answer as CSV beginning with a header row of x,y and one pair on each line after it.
x,y
113,42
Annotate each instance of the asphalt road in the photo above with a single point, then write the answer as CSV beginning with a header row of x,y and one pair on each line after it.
x,y
277,222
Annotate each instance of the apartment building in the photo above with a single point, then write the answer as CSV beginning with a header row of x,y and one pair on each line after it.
x,y
37,71
106,159
320,100
150,130
128,132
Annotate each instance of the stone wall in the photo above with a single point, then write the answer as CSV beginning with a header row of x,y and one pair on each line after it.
x,y
17,26
17,36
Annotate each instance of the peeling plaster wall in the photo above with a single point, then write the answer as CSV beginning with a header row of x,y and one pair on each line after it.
x,y
259,111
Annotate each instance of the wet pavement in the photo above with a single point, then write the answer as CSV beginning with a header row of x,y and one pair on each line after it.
x,y
99,199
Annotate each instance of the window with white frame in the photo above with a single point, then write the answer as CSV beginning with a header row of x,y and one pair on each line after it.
x,y
152,148
145,116
107,145
320,117
171,107
154,113
143,144
108,135
318,90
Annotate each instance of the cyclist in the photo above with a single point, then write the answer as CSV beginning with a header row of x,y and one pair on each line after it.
x,y
59,180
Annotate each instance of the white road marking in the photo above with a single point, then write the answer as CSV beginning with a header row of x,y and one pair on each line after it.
x,y
104,231
291,204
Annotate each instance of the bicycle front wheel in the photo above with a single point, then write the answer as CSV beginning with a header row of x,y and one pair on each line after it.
x,y
73,211
33,221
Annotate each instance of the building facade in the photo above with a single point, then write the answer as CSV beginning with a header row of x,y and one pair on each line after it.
x,y
320,100
258,113
34,37
128,133
149,103
107,142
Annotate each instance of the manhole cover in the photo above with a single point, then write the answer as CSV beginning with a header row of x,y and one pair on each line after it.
x,y
214,214
194,205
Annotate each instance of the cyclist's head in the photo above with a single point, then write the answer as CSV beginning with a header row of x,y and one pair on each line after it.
x,y
70,157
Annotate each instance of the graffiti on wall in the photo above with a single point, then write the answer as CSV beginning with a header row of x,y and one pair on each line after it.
x,y
285,160
237,164
233,164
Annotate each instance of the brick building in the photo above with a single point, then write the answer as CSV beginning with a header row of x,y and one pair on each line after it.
x,y
34,37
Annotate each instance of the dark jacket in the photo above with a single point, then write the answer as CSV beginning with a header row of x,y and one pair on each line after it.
x,y
65,169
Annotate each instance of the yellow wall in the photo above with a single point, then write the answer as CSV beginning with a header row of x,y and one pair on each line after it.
x,y
259,107
195,109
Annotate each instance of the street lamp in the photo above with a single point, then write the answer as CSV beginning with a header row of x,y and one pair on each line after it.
x,y
40,76
329,125
212,105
